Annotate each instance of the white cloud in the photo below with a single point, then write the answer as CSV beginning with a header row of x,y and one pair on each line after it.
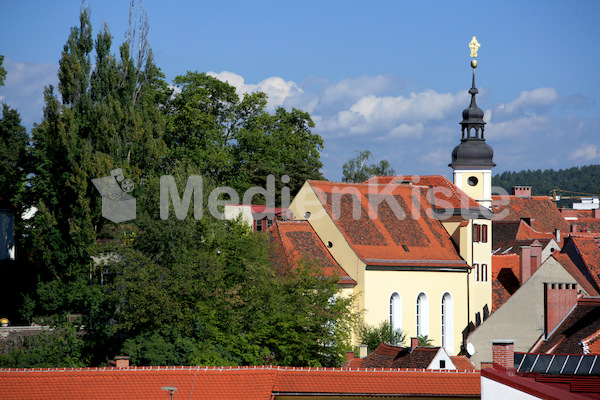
x,y
586,152
24,88
387,116
349,90
535,99
277,89
522,126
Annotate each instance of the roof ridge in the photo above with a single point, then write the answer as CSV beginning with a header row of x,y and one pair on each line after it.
x,y
230,368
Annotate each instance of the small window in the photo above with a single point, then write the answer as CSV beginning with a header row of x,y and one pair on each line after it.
x,y
476,270
405,247
329,244
442,364
307,215
476,233
484,272
472,181
484,233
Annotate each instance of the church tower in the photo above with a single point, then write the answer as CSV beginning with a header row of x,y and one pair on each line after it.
x,y
472,159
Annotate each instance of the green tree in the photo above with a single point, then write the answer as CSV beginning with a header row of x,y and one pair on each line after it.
x,y
357,169
13,153
2,71
108,117
373,336
236,141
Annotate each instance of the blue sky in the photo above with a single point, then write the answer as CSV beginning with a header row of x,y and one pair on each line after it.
x,y
388,76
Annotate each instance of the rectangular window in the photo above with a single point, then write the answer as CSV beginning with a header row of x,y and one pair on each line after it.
x,y
480,233
476,270
476,233
484,272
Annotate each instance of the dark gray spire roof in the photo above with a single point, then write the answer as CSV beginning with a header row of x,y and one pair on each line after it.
x,y
472,150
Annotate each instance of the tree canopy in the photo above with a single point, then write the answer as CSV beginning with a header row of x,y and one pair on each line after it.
x,y
358,169
168,291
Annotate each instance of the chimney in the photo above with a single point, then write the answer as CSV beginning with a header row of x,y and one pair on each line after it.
x,y
536,256
414,342
503,353
122,361
525,263
557,232
522,191
349,355
362,351
596,213
574,228
559,300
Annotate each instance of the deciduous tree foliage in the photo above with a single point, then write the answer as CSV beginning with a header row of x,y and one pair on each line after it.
x,y
357,169
165,291
236,141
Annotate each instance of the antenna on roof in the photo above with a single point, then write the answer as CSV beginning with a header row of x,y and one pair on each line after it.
x,y
169,389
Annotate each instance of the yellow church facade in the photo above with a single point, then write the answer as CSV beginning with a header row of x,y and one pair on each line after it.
x,y
417,247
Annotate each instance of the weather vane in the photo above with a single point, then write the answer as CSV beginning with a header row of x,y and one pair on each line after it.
x,y
474,46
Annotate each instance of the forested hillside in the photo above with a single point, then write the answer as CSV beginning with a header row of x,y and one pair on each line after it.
x,y
584,180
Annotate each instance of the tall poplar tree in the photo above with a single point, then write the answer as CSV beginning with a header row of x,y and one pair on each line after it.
x,y
106,117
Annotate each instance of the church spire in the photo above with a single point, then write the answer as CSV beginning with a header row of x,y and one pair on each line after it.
x,y
473,150
472,159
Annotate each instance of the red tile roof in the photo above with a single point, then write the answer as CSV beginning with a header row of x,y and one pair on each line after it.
x,y
543,213
526,232
577,274
389,356
463,363
443,190
380,382
298,240
228,383
581,323
398,232
506,272
589,225
584,251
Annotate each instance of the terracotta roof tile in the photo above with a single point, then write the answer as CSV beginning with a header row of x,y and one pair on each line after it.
x,y
589,224
584,251
568,264
463,363
402,233
546,217
227,383
295,240
368,382
389,356
443,189
136,383
505,278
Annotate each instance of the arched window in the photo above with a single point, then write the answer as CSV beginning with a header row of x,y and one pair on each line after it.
x,y
447,322
422,315
395,311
